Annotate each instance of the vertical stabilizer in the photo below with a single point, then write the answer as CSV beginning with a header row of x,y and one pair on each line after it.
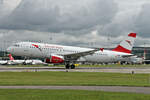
x,y
11,57
126,45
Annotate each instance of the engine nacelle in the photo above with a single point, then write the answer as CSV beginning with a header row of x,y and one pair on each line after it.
x,y
55,59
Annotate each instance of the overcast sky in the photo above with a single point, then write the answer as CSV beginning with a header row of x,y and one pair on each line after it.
x,y
101,23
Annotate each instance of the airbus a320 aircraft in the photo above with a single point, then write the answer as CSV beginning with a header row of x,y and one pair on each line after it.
x,y
12,61
69,54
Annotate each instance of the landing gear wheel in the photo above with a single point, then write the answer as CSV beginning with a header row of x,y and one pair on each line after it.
x,y
24,63
67,66
72,66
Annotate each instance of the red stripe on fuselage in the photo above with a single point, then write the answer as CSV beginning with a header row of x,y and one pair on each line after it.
x,y
121,49
35,45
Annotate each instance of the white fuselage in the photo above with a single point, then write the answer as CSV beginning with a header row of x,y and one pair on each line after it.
x,y
46,50
3,62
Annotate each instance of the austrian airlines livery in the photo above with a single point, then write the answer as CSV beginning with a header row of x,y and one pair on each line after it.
x,y
12,61
69,54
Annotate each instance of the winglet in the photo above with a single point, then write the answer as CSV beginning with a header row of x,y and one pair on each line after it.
x,y
102,49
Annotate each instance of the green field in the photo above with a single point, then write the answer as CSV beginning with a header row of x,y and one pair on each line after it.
x,y
22,94
73,78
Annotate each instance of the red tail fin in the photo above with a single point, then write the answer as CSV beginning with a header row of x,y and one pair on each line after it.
x,y
11,57
126,45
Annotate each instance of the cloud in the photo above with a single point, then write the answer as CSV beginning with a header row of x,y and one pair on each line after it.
x,y
7,6
142,22
60,15
125,20
77,23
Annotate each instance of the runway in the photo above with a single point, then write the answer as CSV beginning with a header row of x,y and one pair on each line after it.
x,y
143,90
78,69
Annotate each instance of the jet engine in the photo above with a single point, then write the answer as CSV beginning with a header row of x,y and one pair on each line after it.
x,y
55,59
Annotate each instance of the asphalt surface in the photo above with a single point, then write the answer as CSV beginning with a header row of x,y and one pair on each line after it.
x,y
143,90
78,69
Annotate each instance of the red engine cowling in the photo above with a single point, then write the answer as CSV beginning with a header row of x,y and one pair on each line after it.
x,y
55,59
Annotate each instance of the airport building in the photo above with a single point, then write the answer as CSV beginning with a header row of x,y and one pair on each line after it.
x,y
139,51
142,52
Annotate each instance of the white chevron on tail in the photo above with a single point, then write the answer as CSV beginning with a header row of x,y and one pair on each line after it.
x,y
126,45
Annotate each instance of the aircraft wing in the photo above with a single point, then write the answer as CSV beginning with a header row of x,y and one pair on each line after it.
x,y
75,56
126,56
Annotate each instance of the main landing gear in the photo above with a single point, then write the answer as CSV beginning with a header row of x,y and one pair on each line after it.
x,y
68,66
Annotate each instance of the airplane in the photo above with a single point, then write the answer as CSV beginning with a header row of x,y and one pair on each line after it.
x,y
134,60
3,62
69,54
12,61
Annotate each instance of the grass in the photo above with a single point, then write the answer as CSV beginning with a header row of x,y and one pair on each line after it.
x,y
13,94
73,79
